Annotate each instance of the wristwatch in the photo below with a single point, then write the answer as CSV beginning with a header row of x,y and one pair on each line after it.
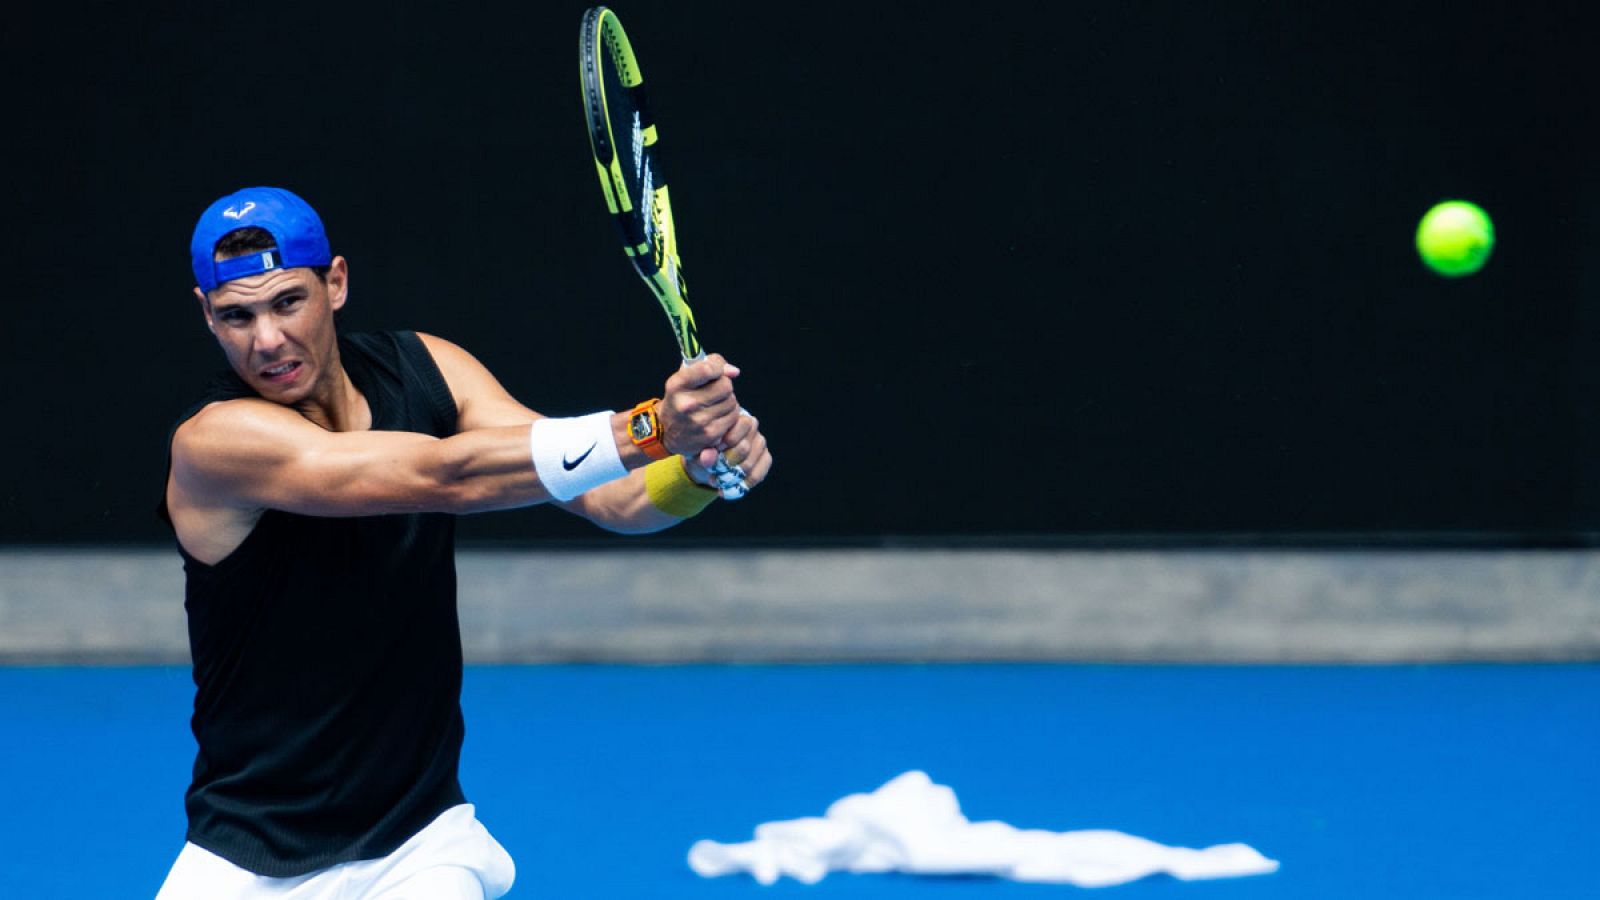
x,y
645,429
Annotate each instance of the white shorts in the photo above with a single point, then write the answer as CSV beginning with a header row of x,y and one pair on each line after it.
x,y
454,858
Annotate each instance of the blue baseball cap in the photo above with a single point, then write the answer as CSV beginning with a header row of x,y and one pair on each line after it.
x,y
292,222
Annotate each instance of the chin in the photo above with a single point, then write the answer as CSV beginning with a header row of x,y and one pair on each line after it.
x,y
285,394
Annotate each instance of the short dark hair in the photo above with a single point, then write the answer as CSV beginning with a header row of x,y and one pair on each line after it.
x,y
245,241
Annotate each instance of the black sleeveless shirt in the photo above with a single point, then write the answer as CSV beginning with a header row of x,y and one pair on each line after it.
x,y
327,659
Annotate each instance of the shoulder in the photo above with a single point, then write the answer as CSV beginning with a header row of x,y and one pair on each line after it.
x,y
481,399
241,411
229,429
448,355
462,371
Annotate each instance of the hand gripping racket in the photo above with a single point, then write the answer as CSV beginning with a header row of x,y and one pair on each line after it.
x,y
626,157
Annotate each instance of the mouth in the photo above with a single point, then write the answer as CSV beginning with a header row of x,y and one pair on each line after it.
x,y
282,372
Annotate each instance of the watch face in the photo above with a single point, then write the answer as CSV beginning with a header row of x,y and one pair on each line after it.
x,y
642,427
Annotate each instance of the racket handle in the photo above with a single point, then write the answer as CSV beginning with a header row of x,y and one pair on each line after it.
x,y
727,478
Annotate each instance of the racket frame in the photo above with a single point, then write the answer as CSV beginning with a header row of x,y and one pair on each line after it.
x,y
649,236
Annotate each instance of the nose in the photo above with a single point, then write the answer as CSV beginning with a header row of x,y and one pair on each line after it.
x,y
268,337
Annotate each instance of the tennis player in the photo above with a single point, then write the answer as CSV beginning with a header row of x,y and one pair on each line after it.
x,y
313,492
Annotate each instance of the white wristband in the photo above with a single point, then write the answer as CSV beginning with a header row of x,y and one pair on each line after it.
x,y
575,455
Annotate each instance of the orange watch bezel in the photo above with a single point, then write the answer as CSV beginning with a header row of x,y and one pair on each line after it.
x,y
651,445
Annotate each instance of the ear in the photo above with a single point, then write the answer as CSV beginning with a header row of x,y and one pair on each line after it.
x,y
338,283
205,309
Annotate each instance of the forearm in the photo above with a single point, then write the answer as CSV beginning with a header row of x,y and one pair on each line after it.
x,y
494,468
485,469
623,506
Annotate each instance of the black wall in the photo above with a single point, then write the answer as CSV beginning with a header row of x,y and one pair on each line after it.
x,y
1013,270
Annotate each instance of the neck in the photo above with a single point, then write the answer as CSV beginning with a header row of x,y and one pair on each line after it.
x,y
335,404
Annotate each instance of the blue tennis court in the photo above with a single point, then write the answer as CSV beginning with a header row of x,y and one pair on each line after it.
x,y
1384,781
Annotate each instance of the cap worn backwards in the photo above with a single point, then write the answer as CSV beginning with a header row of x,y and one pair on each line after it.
x,y
291,221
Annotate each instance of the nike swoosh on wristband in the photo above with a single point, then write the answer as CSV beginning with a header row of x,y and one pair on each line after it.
x,y
570,464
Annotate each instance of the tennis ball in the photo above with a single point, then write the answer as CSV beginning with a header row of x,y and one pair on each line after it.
x,y
1455,238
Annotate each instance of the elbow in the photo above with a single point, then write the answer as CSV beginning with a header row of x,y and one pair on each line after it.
x,y
457,482
445,484
453,498
459,495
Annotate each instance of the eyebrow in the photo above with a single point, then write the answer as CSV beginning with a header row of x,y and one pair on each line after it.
x,y
219,309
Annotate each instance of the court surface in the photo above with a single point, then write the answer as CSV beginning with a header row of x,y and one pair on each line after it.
x,y
1410,781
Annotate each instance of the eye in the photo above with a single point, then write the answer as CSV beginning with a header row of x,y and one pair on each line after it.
x,y
289,302
235,317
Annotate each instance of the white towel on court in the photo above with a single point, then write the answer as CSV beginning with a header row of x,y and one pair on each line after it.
x,y
914,826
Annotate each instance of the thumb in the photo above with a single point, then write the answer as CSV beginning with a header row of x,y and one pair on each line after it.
x,y
701,372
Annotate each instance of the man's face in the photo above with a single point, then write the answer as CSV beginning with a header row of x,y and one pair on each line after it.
x,y
277,328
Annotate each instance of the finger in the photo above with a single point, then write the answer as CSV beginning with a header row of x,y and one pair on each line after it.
x,y
700,372
717,419
695,410
687,423
742,429
757,467
703,429
712,393
745,449
758,452
719,426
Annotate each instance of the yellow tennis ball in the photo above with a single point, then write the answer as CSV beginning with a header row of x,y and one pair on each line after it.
x,y
1455,238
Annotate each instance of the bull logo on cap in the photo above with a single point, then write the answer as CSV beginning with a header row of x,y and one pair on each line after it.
x,y
232,213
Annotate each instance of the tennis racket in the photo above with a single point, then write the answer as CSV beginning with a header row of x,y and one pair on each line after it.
x,y
623,136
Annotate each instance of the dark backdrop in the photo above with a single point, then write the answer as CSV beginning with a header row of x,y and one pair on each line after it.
x,y
1018,270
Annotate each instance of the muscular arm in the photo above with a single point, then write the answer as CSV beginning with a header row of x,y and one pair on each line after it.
x,y
238,457
484,405
252,454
